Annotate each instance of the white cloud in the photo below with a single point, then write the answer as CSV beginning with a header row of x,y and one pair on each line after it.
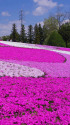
x,y
47,3
5,29
5,14
66,21
43,6
39,11
42,23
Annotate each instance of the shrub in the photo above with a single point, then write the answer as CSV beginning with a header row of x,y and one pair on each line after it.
x,y
56,39
46,41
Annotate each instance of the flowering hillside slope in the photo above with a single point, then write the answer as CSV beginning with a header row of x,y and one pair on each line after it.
x,y
34,86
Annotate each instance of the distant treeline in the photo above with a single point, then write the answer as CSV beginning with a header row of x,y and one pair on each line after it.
x,y
51,33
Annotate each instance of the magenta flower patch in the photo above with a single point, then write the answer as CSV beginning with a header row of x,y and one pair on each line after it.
x,y
34,100
28,54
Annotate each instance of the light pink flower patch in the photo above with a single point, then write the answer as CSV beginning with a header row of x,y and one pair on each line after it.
x,y
50,69
11,69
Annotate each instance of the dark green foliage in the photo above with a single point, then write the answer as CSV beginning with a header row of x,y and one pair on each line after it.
x,y
51,102
68,45
30,34
5,38
22,34
36,35
50,25
46,40
65,32
23,113
58,117
45,33
23,124
49,109
14,34
56,39
41,35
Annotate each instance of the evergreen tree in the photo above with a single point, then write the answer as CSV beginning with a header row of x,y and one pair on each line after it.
x,y
45,35
56,39
36,35
30,34
14,34
41,34
22,34
65,32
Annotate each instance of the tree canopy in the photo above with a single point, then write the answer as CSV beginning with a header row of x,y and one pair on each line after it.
x,y
14,34
30,34
56,39
22,34
51,24
65,32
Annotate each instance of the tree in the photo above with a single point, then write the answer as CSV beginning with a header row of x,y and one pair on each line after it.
x,y
41,34
45,35
22,34
5,38
68,15
56,39
36,35
65,32
50,25
30,34
14,34
60,16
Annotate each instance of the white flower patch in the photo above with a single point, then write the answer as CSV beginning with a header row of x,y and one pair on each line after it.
x,y
11,69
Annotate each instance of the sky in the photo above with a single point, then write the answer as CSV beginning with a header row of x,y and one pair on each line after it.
x,y
34,11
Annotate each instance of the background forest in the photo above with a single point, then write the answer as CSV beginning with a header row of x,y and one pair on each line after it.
x,y
53,32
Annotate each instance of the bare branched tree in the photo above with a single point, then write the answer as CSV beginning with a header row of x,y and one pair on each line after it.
x,y
60,16
68,16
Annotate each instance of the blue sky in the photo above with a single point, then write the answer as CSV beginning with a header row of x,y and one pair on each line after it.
x,y
34,11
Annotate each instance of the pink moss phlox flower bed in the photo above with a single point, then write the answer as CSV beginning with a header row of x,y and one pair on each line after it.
x,y
46,46
39,101
35,101
50,69
2,45
13,69
54,47
28,54
64,49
